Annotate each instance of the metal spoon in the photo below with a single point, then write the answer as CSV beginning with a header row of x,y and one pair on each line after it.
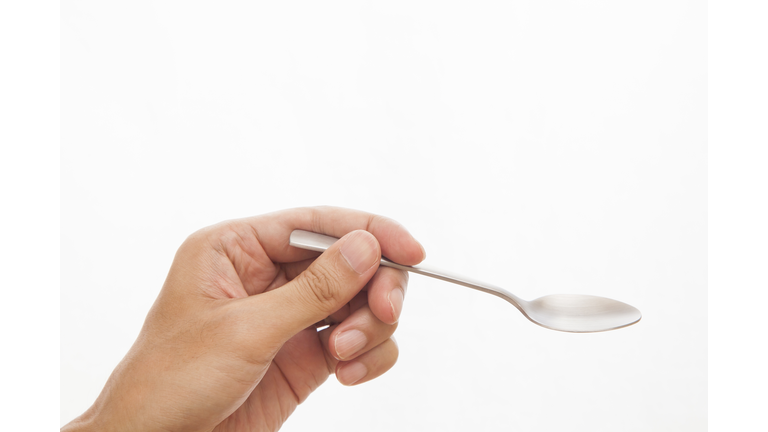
x,y
565,312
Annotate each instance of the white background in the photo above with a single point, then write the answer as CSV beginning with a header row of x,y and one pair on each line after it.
x,y
545,147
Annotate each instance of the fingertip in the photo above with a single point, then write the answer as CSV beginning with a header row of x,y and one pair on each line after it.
x,y
405,249
396,298
386,293
370,365
423,251
414,249
351,372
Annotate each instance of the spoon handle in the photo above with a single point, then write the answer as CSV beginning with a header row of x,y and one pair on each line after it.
x,y
320,242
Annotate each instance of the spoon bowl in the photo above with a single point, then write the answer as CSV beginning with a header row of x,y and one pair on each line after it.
x,y
574,313
580,313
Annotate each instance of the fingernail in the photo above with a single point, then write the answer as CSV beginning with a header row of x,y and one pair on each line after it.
x,y
349,342
360,251
351,373
396,302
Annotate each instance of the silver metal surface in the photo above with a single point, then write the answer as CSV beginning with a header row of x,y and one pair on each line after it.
x,y
564,312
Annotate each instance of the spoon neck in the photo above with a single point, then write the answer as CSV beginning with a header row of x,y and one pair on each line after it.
x,y
460,280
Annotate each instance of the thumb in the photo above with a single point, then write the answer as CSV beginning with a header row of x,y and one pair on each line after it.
x,y
331,281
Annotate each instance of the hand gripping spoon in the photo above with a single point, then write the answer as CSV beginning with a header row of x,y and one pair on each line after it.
x,y
564,312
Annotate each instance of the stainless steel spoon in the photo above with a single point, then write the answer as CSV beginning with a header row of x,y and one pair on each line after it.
x,y
565,312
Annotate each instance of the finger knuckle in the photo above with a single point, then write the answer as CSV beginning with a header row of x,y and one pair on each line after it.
x,y
195,239
321,286
316,217
209,236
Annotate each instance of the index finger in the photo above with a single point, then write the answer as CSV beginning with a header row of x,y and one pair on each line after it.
x,y
273,231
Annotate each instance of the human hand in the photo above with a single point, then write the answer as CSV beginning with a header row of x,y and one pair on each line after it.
x,y
230,343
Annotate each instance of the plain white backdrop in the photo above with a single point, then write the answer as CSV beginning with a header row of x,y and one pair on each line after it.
x,y
546,147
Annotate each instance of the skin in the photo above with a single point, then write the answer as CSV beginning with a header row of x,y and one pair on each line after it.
x,y
231,343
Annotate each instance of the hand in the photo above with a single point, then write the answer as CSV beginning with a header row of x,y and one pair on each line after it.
x,y
231,344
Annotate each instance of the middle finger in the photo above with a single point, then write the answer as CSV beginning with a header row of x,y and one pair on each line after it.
x,y
357,334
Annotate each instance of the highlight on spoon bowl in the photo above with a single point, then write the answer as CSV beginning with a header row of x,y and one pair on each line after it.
x,y
577,313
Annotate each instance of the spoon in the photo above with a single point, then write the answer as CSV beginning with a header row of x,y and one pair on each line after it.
x,y
574,313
